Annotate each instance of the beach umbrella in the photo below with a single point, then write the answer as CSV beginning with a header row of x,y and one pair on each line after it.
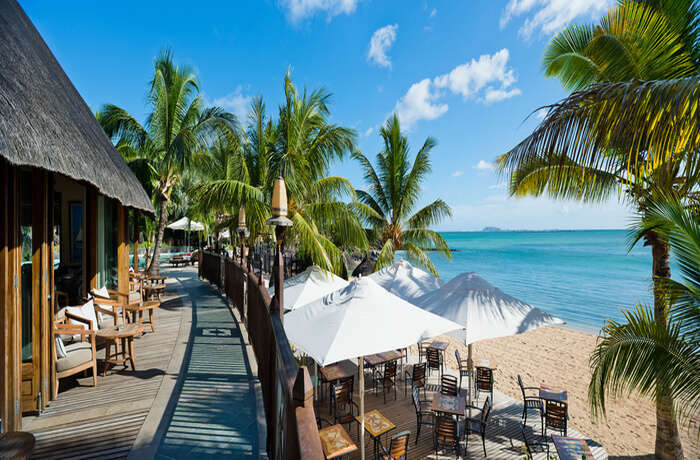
x,y
186,223
406,281
359,320
309,285
482,310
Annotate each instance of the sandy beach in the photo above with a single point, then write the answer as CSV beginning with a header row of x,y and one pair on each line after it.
x,y
559,357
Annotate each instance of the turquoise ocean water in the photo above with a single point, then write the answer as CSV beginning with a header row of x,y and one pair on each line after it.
x,y
583,277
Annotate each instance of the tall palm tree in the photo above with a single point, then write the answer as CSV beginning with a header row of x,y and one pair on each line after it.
x,y
306,145
178,126
394,191
631,137
656,358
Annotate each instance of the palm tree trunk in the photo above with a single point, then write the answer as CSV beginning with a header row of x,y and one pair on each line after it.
x,y
154,268
668,441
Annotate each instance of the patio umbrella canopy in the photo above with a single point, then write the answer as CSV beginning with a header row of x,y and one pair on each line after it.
x,y
482,310
309,285
186,224
406,281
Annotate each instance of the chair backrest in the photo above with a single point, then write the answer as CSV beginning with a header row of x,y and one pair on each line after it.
x,y
418,377
398,449
342,394
484,378
555,415
522,387
446,429
416,400
459,361
390,370
433,358
448,385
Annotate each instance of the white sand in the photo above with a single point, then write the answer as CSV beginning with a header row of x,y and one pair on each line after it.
x,y
559,357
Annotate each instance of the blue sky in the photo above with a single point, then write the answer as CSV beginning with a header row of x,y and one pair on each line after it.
x,y
465,72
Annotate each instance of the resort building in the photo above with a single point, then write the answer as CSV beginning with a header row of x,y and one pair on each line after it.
x,y
66,197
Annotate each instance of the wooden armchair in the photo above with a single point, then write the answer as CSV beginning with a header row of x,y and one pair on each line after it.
x,y
79,356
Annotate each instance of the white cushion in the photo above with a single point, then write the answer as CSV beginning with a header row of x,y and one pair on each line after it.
x,y
85,311
60,348
101,292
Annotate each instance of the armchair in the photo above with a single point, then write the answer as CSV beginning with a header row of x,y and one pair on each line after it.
x,y
75,357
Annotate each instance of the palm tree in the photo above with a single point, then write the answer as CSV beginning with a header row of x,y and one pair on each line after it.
x,y
178,126
655,358
393,195
306,145
631,137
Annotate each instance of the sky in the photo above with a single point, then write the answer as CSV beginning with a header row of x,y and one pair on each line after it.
x,y
467,73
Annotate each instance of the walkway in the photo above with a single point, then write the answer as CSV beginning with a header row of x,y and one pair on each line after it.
x,y
193,393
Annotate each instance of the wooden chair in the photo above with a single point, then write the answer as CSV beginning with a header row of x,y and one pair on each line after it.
x,y
446,434
423,416
421,352
343,407
389,379
398,447
463,368
555,417
416,377
474,425
484,381
79,356
434,360
448,385
530,402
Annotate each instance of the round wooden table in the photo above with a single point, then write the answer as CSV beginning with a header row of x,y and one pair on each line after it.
x,y
124,333
154,290
16,445
138,309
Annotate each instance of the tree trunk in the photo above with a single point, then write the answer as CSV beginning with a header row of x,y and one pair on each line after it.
x,y
154,268
668,441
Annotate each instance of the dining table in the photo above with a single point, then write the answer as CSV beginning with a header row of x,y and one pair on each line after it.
x,y
553,394
446,404
376,424
335,441
338,371
571,448
377,359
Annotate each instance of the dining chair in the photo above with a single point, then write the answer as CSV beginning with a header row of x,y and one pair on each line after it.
x,y
477,425
343,407
398,447
423,416
389,379
530,402
434,360
463,368
555,415
484,381
446,434
416,377
448,385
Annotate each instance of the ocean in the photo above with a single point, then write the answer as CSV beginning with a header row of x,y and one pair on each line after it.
x,y
583,277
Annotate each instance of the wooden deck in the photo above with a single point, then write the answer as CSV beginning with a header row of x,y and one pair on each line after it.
x,y
503,440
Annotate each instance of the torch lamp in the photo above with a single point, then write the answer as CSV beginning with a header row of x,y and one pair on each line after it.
x,y
280,220
242,233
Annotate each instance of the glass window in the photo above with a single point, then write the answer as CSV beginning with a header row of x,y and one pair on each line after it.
x,y
27,251
107,267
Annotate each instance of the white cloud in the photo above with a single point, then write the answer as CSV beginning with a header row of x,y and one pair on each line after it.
x,y
235,102
369,131
550,16
483,165
379,44
500,186
487,80
298,10
433,12
419,104
457,173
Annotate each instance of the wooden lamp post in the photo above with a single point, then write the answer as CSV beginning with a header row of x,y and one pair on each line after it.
x,y
280,220
242,233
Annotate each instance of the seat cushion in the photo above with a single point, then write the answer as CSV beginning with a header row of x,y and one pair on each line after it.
x,y
76,354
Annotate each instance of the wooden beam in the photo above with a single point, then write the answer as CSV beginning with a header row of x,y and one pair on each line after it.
x,y
136,240
122,248
5,294
90,243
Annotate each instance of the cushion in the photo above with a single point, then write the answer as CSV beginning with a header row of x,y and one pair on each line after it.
x,y
60,347
134,297
101,292
76,354
86,311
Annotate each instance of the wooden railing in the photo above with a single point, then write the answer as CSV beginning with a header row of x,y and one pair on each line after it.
x,y
286,388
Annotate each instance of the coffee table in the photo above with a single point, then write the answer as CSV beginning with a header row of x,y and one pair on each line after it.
x,y
111,336
335,441
138,309
16,444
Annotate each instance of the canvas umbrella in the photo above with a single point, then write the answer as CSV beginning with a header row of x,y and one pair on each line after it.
x,y
187,224
309,285
482,310
406,281
359,320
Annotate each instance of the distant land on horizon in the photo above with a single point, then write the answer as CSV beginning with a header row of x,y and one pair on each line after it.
x,y
502,230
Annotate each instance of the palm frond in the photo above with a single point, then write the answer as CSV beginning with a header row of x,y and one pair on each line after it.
x,y
418,257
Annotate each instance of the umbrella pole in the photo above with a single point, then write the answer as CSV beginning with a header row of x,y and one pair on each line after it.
x,y
362,407
315,381
470,365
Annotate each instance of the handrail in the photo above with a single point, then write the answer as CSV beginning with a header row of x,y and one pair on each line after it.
x,y
287,391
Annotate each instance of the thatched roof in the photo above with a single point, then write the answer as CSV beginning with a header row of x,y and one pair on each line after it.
x,y
45,123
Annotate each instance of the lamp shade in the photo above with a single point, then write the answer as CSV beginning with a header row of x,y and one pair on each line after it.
x,y
241,219
279,199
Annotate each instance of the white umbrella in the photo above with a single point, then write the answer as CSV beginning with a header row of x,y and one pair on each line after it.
x,y
406,281
186,224
358,320
309,285
482,310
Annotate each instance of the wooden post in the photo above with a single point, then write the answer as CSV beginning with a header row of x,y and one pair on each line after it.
x,y
278,304
90,242
136,240
122,248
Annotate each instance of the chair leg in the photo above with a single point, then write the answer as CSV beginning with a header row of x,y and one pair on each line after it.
x,y
483,443
55,389
94,372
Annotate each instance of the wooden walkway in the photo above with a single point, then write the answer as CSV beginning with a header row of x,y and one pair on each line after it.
x,y
503,439
106,422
